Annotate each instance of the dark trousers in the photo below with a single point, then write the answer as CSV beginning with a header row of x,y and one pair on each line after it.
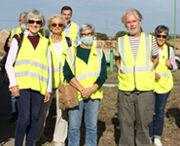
x,y
156,127
29,104
43,114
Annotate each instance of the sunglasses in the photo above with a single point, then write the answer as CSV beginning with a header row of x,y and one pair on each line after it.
x,y
55,24
163,36
34,21
87,34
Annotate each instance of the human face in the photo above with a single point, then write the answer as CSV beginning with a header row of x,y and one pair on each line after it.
x,y
21,19
161,38
87,37
34,25
67,15
57,25
133,24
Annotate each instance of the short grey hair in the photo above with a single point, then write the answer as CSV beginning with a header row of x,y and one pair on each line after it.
x,y
35,14
86,27
161,28
131,11
49,22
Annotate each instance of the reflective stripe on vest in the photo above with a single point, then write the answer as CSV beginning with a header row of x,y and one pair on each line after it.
x,y
164,74
57,69
32,74
131,70
71,57
92,74
89,74
37,64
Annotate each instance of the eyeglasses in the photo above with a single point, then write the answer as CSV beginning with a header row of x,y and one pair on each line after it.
x,y
163,36
57,24
87,34
34,21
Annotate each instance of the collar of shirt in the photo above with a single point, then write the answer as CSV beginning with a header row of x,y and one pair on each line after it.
x,y
26,33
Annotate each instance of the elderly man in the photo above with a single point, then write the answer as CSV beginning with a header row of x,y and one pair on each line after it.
x,y
136,57
72,29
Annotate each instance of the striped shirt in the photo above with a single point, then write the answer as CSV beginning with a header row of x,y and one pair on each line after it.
x,y
134,43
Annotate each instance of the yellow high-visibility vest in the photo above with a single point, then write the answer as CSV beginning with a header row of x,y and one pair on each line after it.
x,y
87,74
14,31
72,33
31,67
165,83
136,74
57,66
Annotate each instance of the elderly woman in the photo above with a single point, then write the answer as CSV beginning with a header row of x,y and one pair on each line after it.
x,y
90,74
163,82
29,72
58,47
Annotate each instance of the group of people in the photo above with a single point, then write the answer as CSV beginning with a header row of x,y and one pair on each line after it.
x,y
36,66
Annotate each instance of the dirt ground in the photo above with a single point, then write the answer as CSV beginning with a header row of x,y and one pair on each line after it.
x,y
108,134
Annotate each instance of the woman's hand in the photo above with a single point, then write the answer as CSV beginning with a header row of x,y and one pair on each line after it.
x,y
157,76
47,97
86,93
168,63
15,91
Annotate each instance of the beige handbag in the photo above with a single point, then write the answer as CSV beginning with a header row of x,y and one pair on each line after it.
x,y
68,96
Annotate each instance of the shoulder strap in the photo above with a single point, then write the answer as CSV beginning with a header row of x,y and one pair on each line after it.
x,y
69,42
168,51
19,44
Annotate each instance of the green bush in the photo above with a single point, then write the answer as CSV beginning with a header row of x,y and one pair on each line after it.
x,y
101,36
120,34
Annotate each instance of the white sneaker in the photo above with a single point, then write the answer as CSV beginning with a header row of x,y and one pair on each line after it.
x,y
150,140
157,142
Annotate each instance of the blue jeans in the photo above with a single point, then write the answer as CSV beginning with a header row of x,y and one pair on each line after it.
x,y
91,108
156,127
29,104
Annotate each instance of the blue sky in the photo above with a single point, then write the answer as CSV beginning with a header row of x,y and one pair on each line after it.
x,y
102,13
